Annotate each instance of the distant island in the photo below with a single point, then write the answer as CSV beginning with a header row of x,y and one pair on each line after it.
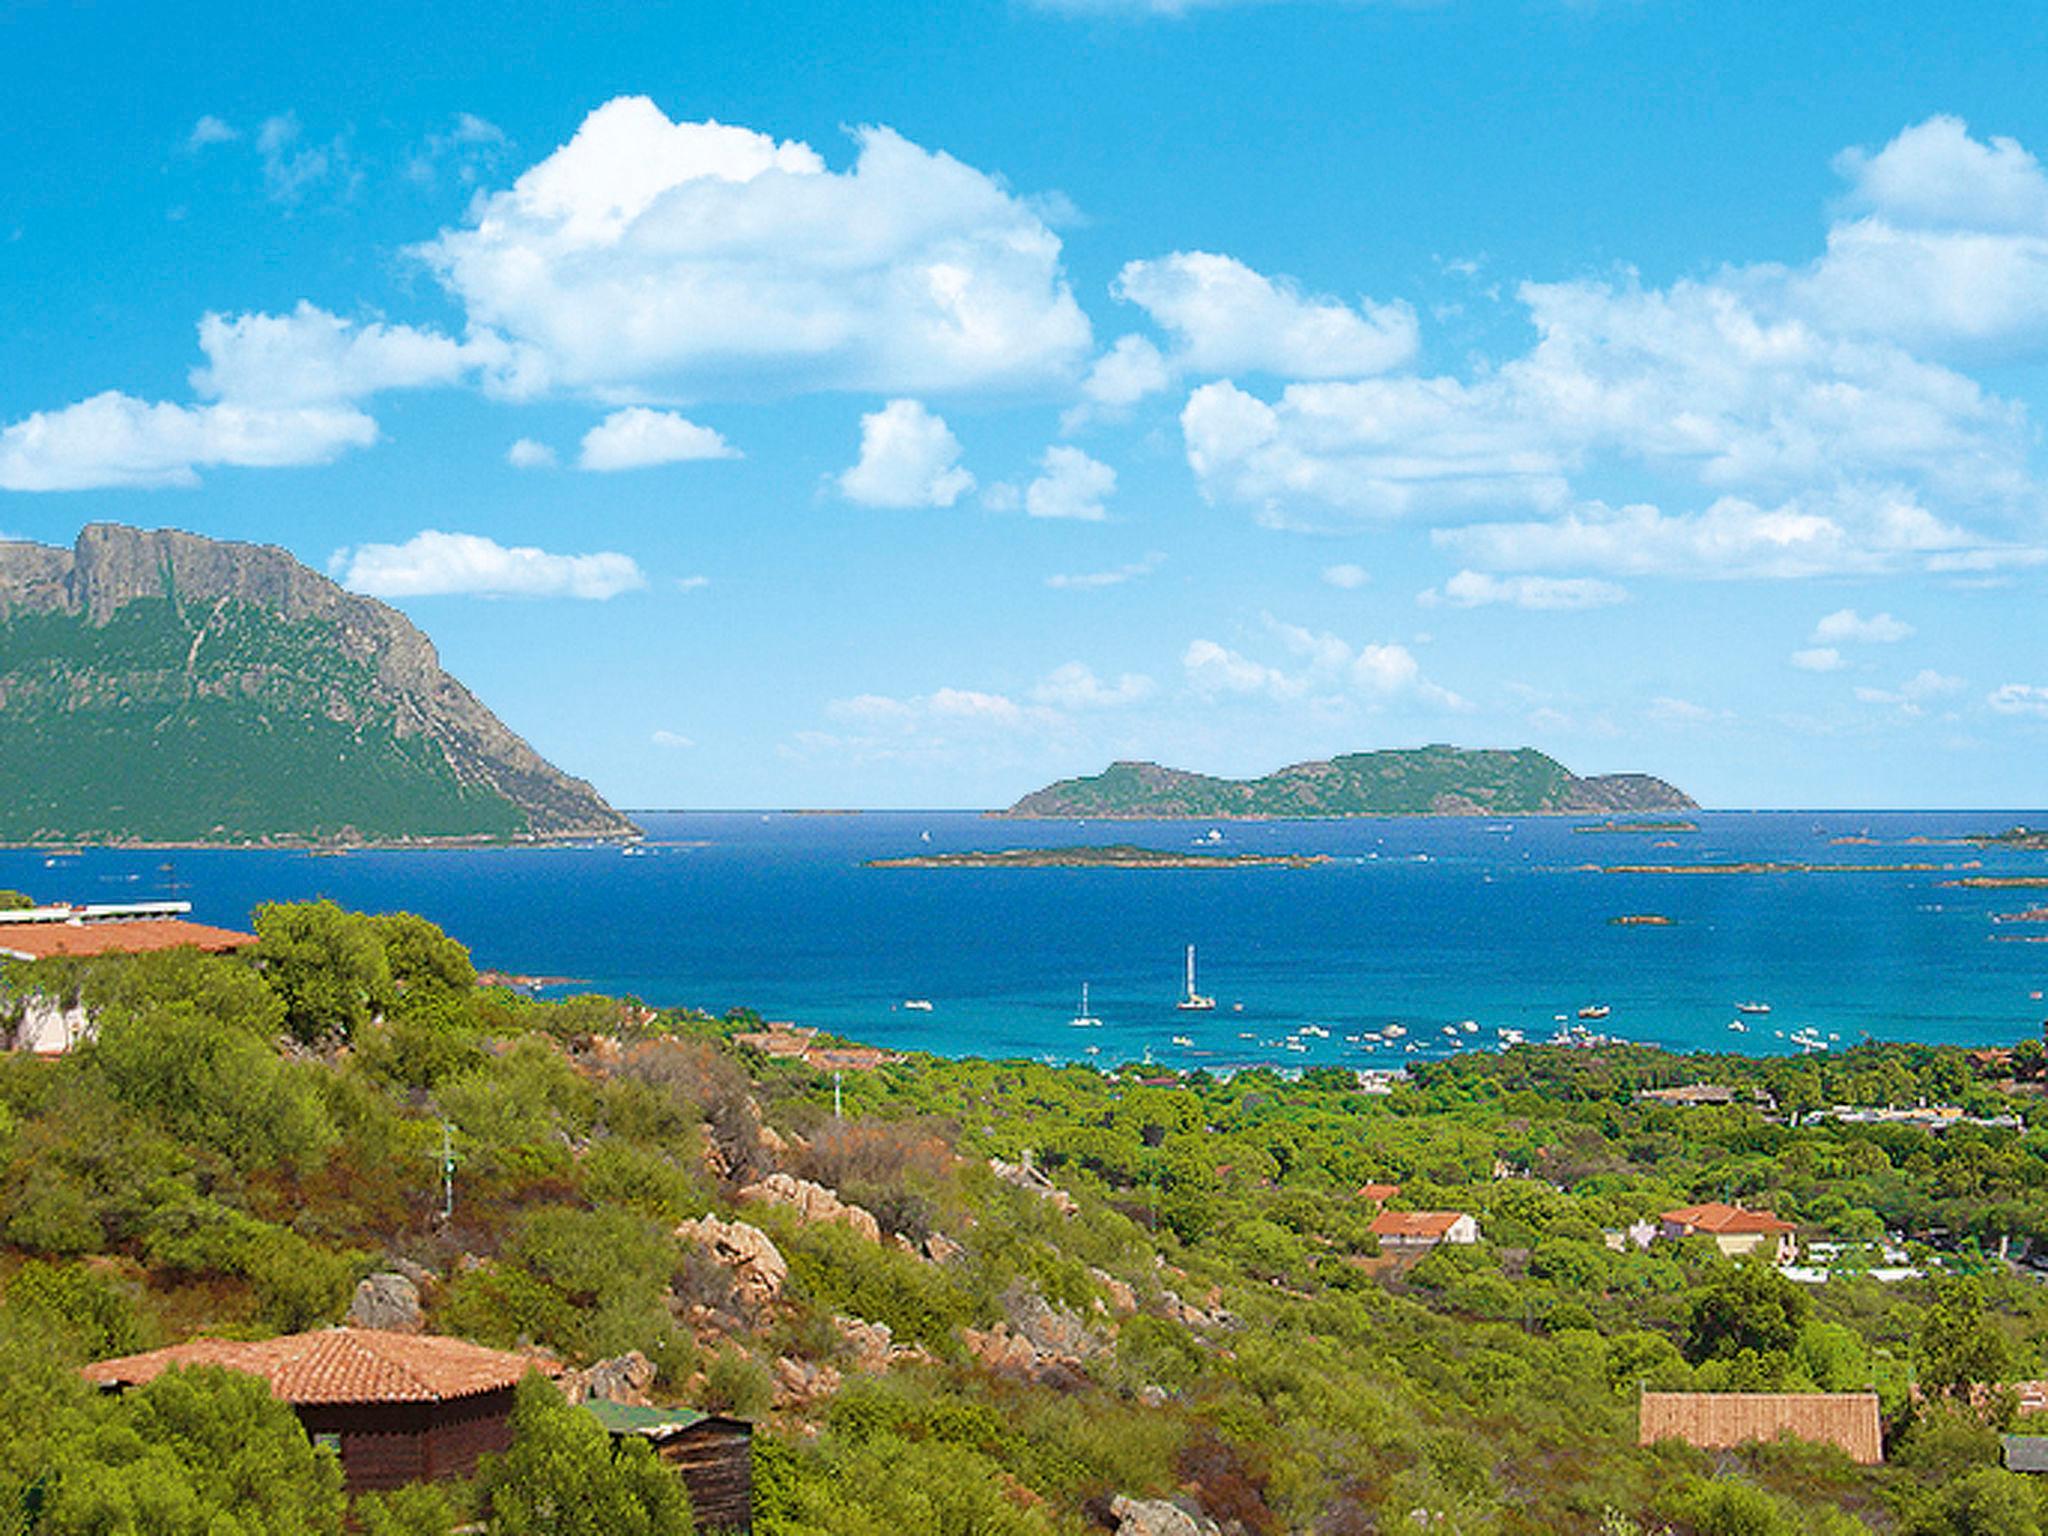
x,y
1111,856
1420,781
162,688
2032,839
1664,828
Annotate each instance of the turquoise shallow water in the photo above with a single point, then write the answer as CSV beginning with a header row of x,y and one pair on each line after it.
x,y
1424,922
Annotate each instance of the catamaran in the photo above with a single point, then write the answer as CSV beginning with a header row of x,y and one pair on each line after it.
x,y
1194,1002
1084,1019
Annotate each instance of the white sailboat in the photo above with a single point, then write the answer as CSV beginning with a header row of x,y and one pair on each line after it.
x,y
1193,1002
1084,1019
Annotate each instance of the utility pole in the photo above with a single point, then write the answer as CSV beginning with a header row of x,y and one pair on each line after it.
x,y
447,1172
838,1106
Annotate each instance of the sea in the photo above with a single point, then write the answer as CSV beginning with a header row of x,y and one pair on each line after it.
x,y
1464,932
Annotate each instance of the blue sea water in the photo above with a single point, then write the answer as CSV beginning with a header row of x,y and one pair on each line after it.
x,y
1425,922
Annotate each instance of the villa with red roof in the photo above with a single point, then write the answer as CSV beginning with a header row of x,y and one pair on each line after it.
x,y
1735,1231
399,1408
1412,1231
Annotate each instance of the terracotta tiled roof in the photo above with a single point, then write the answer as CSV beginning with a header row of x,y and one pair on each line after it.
x,y
1414,1223
1378,1192
41,941
337,1365
1716,1420
1733,1219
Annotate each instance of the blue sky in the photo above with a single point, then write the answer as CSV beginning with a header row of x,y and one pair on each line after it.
x,y
828,405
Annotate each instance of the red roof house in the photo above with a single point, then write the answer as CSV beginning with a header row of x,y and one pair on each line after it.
x,y
399,1407
1735,1231
1423,1229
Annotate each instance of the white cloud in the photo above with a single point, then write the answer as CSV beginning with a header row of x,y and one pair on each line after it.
x,y
470,146
1914,691
1070,485
1226,318
638,438
1116,576
292,167
1820,658
1846,624
210,130
647,256
1375,672
2019,699
434,564
908,458
1128,372
526,453
311,357
1668,711
692,583
1075,686
115,440
1475,589
1347,578
673,740
1731,538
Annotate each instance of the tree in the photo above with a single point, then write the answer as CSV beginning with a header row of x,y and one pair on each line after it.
x,y
424,962
1959,1347
329,966
562,1477
201,1452
15,901
1749,1306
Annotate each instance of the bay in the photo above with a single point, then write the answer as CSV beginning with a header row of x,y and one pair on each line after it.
x,y
1424,922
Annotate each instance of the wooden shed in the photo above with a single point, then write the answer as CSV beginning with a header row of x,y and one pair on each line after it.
x,y
1719,1420
714,1454
399,1408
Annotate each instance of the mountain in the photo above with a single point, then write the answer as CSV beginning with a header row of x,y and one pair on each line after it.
x,y
162,687
1422,781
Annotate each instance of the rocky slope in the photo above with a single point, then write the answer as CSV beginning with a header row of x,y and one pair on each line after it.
x,y
1424,781
163,686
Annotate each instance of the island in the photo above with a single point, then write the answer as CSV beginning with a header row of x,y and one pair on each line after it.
x,y
2029,839
1108,856
1419,781
1654,828
1641,920
1751,867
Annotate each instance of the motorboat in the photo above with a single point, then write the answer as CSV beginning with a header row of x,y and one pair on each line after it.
x,y
917,1005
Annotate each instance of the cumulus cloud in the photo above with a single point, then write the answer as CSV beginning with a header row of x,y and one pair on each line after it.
x,y
1128,372
435,564
1476,589
1846,624
1346,578
1226,318
1326,664
672,739
648,256
527,453
1115,576
637,438
311,357
116,440
1070,485
1075,686
908,458
210,130
2019,699
1820,658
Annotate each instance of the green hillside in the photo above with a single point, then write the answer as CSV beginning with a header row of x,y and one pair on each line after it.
x,y
1423,781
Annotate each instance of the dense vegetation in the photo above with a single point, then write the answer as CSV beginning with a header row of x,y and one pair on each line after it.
x,y
1198,1310
1420,781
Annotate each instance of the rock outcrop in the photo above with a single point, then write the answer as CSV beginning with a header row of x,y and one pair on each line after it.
x,y
386,1300
813,1202
756,1265
1156,1517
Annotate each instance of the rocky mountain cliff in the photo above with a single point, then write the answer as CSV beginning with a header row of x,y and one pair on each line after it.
x,y
160,686
1423,781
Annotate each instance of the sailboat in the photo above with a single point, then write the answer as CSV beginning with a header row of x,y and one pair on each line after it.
x,y
1084,1019
1194,1002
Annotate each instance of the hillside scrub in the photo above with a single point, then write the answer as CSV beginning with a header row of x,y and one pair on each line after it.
x,y
1202,1313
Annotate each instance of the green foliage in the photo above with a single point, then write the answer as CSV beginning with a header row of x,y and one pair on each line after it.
x,y
417,1509
201,1452
15,901
328,966
1957,1344
736,1383
1747,1308
562,1477
94,1311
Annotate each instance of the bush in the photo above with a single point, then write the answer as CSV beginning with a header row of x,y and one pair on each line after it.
x,y
88,1305
738,1384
